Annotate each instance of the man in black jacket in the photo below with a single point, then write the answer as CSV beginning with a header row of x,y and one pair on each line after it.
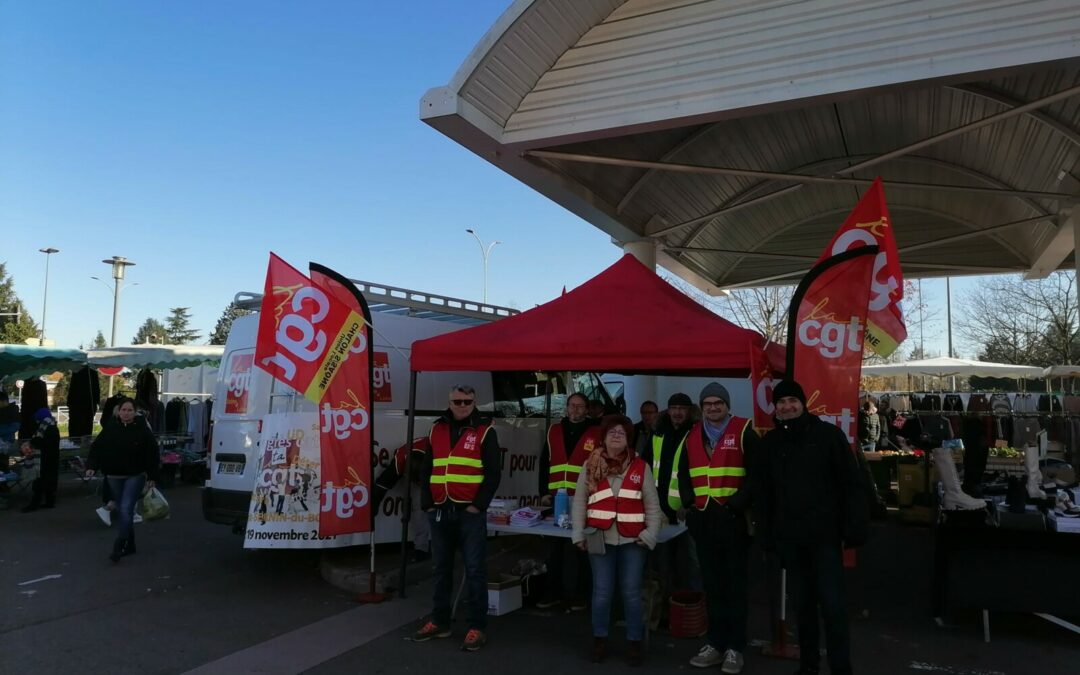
x,y
458,480
813,507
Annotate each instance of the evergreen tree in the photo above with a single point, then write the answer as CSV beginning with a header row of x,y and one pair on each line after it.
x,y
153,331
99,341
224,324
15,322
176,327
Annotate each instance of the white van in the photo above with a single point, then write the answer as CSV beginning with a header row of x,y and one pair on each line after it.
x,y
244,394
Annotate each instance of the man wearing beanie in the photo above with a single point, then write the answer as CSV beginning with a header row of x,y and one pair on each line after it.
x,y
671,429
813,506
712,474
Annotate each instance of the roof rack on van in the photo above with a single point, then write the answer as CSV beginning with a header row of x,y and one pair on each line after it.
x,y
392,300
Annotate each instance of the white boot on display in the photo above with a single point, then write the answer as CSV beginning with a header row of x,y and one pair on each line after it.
x,y
955,499
1034,476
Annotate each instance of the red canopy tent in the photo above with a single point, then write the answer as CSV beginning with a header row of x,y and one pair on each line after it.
x,y
624,320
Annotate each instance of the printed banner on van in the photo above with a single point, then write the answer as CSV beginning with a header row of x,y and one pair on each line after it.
x,y
346,415
869,225
304,334
826,328
238,381
287,500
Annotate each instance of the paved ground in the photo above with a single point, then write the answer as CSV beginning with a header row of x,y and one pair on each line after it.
x,y
192,599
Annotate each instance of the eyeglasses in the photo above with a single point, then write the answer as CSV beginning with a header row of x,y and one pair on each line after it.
x,y
712,404
462,401
616,432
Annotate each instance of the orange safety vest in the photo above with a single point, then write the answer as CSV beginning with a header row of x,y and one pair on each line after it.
x,y
457,471
626,509
564,472
721,476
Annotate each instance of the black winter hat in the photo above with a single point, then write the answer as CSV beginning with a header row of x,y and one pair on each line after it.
x,y
788,388
680,399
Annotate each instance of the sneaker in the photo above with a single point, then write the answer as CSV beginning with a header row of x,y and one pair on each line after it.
x,y
548,603
733,662
474,640
428,631
105,515
137,519
708,657
577,605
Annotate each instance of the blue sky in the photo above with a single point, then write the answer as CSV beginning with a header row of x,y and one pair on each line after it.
x,y
194,137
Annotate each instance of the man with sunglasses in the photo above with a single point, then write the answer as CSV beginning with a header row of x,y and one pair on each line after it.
x,y
459,478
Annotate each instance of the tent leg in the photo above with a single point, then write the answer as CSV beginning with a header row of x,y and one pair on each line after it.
x,y
407,512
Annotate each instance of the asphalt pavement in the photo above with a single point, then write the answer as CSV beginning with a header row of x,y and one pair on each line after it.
x,y
193,600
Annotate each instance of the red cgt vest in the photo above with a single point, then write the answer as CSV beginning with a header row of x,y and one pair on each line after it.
x,y
626,509
564,471
458,471
723,475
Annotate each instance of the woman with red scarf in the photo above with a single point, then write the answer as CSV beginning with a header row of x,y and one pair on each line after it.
x,y
616,516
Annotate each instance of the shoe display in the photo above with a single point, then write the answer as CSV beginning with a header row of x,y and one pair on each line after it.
x,y
708,657
733,662
954,498
429,630
474,640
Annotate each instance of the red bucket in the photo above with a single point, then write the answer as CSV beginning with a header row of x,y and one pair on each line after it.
x,y
686,615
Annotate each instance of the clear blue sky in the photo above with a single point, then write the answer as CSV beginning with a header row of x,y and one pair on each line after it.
x,y
194,137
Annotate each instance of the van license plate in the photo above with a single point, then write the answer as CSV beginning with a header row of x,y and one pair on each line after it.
x,y
230,468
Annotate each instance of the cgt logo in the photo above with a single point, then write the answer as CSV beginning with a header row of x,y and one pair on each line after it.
x,y
821,330
342,422
343,500
763,395
868,234
238,383
380,377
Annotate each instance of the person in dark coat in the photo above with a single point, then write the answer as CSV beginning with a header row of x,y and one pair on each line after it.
x,y
46,440
813,506
35,396
127,453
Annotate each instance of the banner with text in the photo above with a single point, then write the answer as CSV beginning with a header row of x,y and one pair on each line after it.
x,y
304,334
826,328
287,500
347,417
869,225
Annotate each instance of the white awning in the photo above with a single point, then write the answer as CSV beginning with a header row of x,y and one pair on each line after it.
x,y
944,366
156,356
1062,371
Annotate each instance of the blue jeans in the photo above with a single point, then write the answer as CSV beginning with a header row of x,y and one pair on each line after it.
x,y
126,491
628,562
454,528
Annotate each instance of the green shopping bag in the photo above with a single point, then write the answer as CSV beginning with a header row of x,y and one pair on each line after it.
x,y
153,505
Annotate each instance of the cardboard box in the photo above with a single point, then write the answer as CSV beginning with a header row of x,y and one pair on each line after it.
x,y
504,595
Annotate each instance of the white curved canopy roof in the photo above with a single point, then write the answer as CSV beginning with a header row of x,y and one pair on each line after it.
x,y
944,366
736,135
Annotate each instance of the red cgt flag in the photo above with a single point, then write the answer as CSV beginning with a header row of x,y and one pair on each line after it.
x,y
827,323
761,383
304,334
347,421
869,225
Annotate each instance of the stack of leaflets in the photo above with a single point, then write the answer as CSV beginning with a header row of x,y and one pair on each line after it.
x,y
526,517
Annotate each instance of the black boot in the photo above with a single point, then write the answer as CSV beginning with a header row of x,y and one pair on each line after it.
x,y
117,549
129,545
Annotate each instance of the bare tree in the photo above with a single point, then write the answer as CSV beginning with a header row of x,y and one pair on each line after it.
x,y
1012,320
764,310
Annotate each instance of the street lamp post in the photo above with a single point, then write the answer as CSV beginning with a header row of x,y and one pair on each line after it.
x,y
45,301
118,264
485,251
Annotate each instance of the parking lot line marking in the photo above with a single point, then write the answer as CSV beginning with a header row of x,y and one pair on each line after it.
x,y
44,578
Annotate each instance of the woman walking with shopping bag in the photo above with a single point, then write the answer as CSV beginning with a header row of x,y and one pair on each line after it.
x,y
616,517
127,453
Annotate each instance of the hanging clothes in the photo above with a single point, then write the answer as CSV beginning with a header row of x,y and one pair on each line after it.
x,y
35,396
83,398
